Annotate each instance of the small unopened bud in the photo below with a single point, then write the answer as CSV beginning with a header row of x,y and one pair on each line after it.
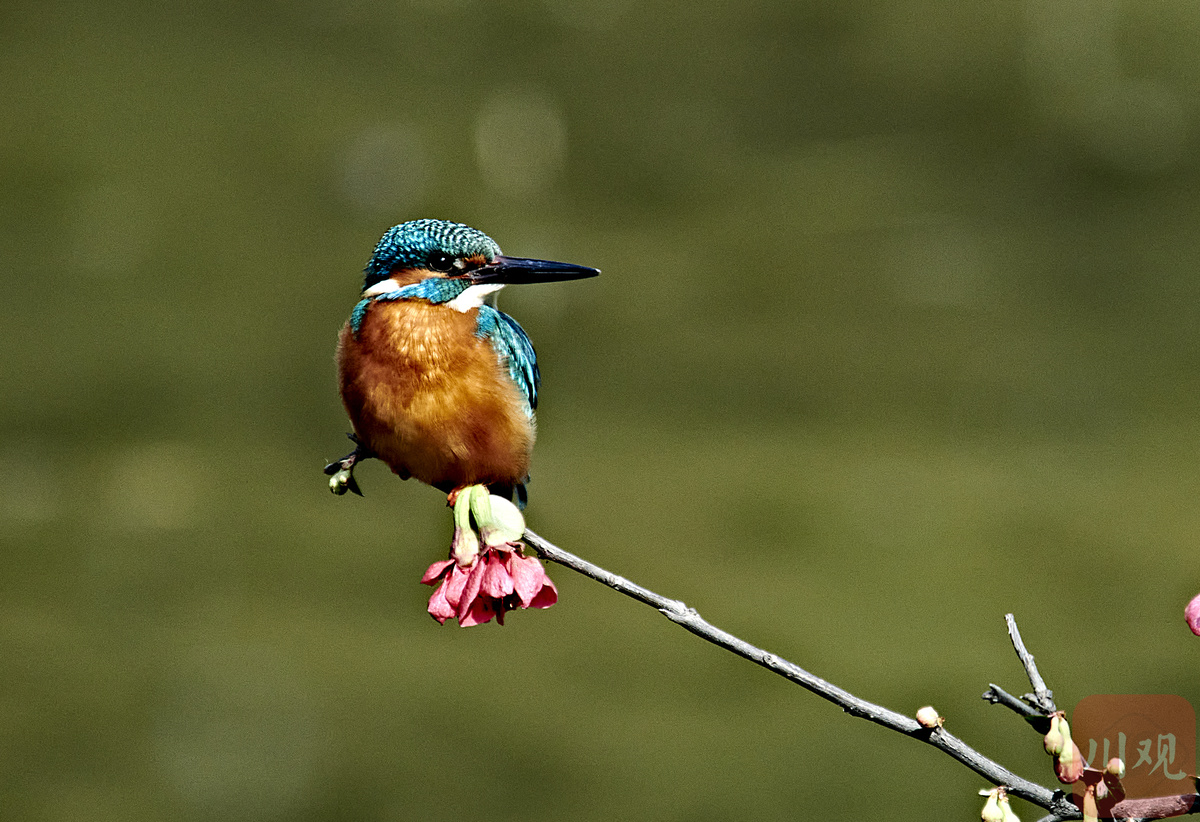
x,y
1192,614
1053,741
992,812
1006,808
506,524
928,717
1091,811
1111,781
465,547
339,482
1069,765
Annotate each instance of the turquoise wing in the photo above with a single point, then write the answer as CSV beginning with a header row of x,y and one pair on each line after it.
x,y
513,348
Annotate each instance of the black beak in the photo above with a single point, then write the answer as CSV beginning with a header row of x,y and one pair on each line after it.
x,y
516,270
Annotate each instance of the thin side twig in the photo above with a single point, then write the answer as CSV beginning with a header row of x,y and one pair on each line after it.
x,y
1042,697
998,696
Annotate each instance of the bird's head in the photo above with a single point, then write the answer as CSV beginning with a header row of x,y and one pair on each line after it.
x,y
460,265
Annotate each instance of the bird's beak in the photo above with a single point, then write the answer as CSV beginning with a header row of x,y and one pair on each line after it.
x,y
516,270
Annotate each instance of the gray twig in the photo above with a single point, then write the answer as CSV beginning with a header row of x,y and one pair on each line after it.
x,y
998,696
1042,697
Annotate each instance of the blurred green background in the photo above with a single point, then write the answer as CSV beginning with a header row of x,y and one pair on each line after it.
x,y
897,332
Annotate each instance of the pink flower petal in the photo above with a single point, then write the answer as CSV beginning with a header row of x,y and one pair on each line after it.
x,y
496,581
435,571
545,597
1192,614
482,610
454,584
439,608
471,590
528,577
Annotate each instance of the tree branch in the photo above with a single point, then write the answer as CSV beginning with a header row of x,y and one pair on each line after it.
x,y
1031,707
679,613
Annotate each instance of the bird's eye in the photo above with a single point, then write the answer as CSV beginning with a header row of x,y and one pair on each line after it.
x,y
441,262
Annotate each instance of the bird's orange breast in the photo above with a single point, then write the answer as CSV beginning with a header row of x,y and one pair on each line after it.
x,y
431,399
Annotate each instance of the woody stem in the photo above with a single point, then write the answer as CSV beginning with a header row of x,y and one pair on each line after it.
x,y
679,613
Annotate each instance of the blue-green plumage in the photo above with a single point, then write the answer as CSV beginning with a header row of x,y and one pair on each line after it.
x,y
426,244
359,314
448,426
514,348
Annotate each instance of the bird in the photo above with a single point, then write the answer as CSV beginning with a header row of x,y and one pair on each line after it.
x,y
438,383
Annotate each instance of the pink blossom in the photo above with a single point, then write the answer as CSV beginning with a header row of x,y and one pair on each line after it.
x,y
498,580
1192,614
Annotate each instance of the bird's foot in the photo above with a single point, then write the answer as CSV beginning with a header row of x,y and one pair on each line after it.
x,y
341,472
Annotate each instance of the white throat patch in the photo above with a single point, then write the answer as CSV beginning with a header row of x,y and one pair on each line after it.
x,y
474,296
382,287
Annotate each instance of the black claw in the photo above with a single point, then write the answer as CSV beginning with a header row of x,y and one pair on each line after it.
x,y
366,452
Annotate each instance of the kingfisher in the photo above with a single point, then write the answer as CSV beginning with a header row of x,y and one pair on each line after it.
x,y
439,384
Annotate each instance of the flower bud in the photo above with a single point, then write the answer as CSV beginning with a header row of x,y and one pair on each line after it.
x,y
992,812
928,717
1111,781
339,482
1069,765
506,524
1053,741
1192,614
1091,811
465,547
1006,809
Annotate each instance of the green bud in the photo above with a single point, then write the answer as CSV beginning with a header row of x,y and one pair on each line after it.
x,y
507,524
481,504
1053,742
339,482
465,547
1069,765
1006,809
991,809
462,510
